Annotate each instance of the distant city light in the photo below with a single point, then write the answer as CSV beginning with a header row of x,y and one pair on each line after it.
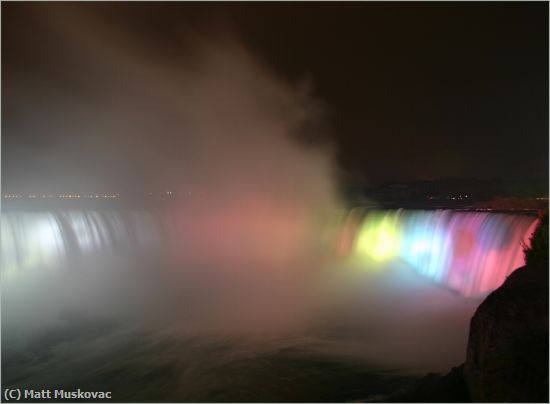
x,y
62,196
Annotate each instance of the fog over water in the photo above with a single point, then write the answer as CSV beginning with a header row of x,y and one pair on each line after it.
x,y
172,274
246,262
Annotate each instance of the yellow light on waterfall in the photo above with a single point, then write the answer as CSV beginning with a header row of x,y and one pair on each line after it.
x,y
379,237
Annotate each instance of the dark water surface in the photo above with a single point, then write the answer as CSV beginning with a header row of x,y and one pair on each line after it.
x,y
93,355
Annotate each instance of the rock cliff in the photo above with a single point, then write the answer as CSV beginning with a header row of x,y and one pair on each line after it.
x,y
507,355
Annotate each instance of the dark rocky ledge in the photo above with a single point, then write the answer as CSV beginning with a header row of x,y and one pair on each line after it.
x,y
507,357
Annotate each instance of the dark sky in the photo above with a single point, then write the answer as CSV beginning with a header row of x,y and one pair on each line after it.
x,y
410,90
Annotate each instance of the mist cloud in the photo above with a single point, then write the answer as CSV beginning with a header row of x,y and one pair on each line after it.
x,y
247,253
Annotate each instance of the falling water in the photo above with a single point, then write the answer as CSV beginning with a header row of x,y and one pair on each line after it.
x,y
49,240
470,252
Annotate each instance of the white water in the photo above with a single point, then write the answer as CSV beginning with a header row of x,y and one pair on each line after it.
x,y
191,274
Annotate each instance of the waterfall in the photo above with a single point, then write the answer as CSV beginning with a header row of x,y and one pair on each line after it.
x,y
49,240
469,252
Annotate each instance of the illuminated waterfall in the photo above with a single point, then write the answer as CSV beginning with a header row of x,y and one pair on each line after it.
x,y
469,252
48,240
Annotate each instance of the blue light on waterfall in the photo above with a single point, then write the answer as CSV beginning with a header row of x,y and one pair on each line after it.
x,y
470,252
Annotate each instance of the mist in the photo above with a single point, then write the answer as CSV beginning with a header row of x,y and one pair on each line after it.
x,y
245,253
245,148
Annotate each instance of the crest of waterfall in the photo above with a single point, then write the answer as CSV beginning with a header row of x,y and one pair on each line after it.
x,y
469,252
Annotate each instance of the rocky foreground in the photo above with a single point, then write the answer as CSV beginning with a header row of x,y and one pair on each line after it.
x,y
507,355
507,358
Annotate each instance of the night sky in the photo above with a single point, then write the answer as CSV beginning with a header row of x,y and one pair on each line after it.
x,y
409,90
